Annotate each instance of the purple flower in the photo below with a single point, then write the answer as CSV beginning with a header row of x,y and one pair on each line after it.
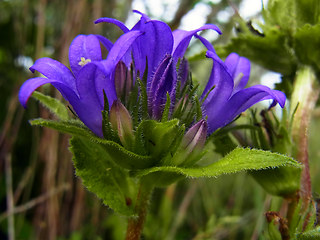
x,y
154,51
229,98
83,86
159,49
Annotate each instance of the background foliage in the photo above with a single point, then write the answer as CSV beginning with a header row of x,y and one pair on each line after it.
x,y
49,201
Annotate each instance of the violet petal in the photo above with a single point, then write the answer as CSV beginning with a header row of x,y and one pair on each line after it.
x,y
116,22
239,67
83,49
53,69
182,39
220,79
240,102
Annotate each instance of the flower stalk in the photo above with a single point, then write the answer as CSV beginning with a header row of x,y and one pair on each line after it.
x,y
304,97
135,224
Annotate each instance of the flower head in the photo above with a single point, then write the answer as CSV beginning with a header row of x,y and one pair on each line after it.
x,y
149,53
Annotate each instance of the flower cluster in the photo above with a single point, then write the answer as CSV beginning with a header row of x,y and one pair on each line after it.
x,y
145,71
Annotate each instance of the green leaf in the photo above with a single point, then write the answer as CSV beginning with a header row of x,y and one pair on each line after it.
x,y
307,39
101,176
53,104
117,153
270,51
240,159
283,181
309,235
73,127
308,11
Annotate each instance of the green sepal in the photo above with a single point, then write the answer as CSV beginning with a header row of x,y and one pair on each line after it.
x,y
166,110
157,139
198,108
53,104
107,130
240,159
117,153
102,176
125,158
143,100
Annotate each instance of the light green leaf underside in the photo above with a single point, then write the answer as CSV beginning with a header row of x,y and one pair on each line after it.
x,y
238,160
53,104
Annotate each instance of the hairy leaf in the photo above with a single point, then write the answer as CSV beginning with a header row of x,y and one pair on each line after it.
x,y
117,153
240,159
53,104
101,176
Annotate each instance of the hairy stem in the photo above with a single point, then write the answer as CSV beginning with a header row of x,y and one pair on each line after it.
x,y
305,96
135,224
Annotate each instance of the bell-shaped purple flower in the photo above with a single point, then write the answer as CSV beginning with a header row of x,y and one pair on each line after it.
x,y
152,50
82,87
229,98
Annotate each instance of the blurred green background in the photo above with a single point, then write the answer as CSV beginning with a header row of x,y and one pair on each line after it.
x,y
35,163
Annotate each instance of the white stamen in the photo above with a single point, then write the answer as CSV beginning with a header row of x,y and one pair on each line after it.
x,y
84,61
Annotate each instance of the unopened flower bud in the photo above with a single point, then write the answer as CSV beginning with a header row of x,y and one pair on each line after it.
x,y
196,136
183,72
121,122
192,143
122,80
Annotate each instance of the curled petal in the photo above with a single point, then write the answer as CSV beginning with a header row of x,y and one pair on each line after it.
x,y
206,43
119,49
220,79
83,49
32,84
116,22
240,102
144,17
182,39
53,69
239,68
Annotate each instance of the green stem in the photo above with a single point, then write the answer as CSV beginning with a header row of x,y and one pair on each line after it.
x,y
135,224
305,95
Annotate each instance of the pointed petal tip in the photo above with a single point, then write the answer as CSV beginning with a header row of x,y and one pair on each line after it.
x,y
282,98
103,19
141,13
